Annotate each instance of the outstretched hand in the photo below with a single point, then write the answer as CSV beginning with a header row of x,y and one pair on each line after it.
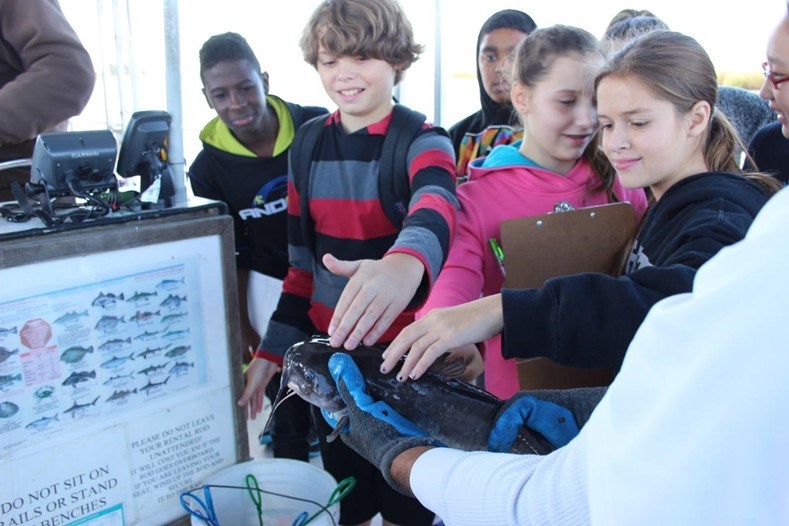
x,y
258,375
451,330
375,430
376,293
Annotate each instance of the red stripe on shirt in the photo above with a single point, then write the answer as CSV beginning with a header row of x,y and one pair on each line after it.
x,y
331,215
298,282
431,159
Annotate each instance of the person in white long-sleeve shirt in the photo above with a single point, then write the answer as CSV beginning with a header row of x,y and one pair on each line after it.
x,y
690,432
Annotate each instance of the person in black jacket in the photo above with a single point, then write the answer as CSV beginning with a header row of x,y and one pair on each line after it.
x,y
656,100
496,123
244,163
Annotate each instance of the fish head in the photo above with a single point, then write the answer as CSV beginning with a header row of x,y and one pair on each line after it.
x,y
305,371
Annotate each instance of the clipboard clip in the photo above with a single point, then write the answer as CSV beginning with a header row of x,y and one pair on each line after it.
x,y
563,206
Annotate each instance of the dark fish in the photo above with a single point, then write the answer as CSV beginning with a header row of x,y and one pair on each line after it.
x,y
457,413
177,351
5,332
172,301
79,408
152,352
75,354
153,385
153,368
8,409
71,317
105,300
5,354
77,377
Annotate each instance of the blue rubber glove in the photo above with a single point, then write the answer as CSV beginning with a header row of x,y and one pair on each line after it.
x,y
375,430
554,422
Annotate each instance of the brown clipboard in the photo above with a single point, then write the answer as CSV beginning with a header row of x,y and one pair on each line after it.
x,y
590,239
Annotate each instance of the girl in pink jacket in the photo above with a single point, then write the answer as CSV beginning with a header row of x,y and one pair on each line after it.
x,y
556,162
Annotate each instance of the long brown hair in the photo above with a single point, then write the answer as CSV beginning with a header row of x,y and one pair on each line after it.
x,y
678,70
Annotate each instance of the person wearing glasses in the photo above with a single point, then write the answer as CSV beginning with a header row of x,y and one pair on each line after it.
x,y
690,431
770,145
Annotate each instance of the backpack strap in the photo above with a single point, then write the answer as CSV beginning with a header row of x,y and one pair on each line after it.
x,y
302,150
394,186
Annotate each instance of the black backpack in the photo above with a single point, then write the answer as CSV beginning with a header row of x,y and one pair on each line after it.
x,y
394,189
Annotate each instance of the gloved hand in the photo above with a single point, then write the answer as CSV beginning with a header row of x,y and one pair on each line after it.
x,y
375,430
555,423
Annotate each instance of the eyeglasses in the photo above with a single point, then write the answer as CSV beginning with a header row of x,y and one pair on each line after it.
x,y
774,79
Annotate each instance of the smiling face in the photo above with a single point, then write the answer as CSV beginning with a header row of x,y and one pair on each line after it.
x,y
237,91
558,113
360,86
647,141
495,51
778,65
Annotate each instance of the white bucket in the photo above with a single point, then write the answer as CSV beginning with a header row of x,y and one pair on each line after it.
x,y
234,507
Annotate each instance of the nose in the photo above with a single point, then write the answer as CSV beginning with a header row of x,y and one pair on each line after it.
x,y
237,100
586,114
614,139
346,69
766,91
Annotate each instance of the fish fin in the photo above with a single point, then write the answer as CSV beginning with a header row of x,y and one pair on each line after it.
x,y
448,367
341,423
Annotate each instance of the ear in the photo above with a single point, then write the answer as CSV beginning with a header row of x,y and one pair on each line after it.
x,y
207,99
264,78
698,118
521,96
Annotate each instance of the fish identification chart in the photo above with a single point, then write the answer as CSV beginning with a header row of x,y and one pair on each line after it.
x,y
113,397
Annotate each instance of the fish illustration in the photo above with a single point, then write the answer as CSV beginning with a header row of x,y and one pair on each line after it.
x,y
153,385
105,300
174,335
115,344
108,323
8,379
153,368
5,332
42,422
172,301
78,377
450,410
181,368
79,408
119,380
75,354
140,296
121,395
5,354
177,351
45,391
172,319
71,317
141,317
170,284
147,335
115,361
152,352
8,409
